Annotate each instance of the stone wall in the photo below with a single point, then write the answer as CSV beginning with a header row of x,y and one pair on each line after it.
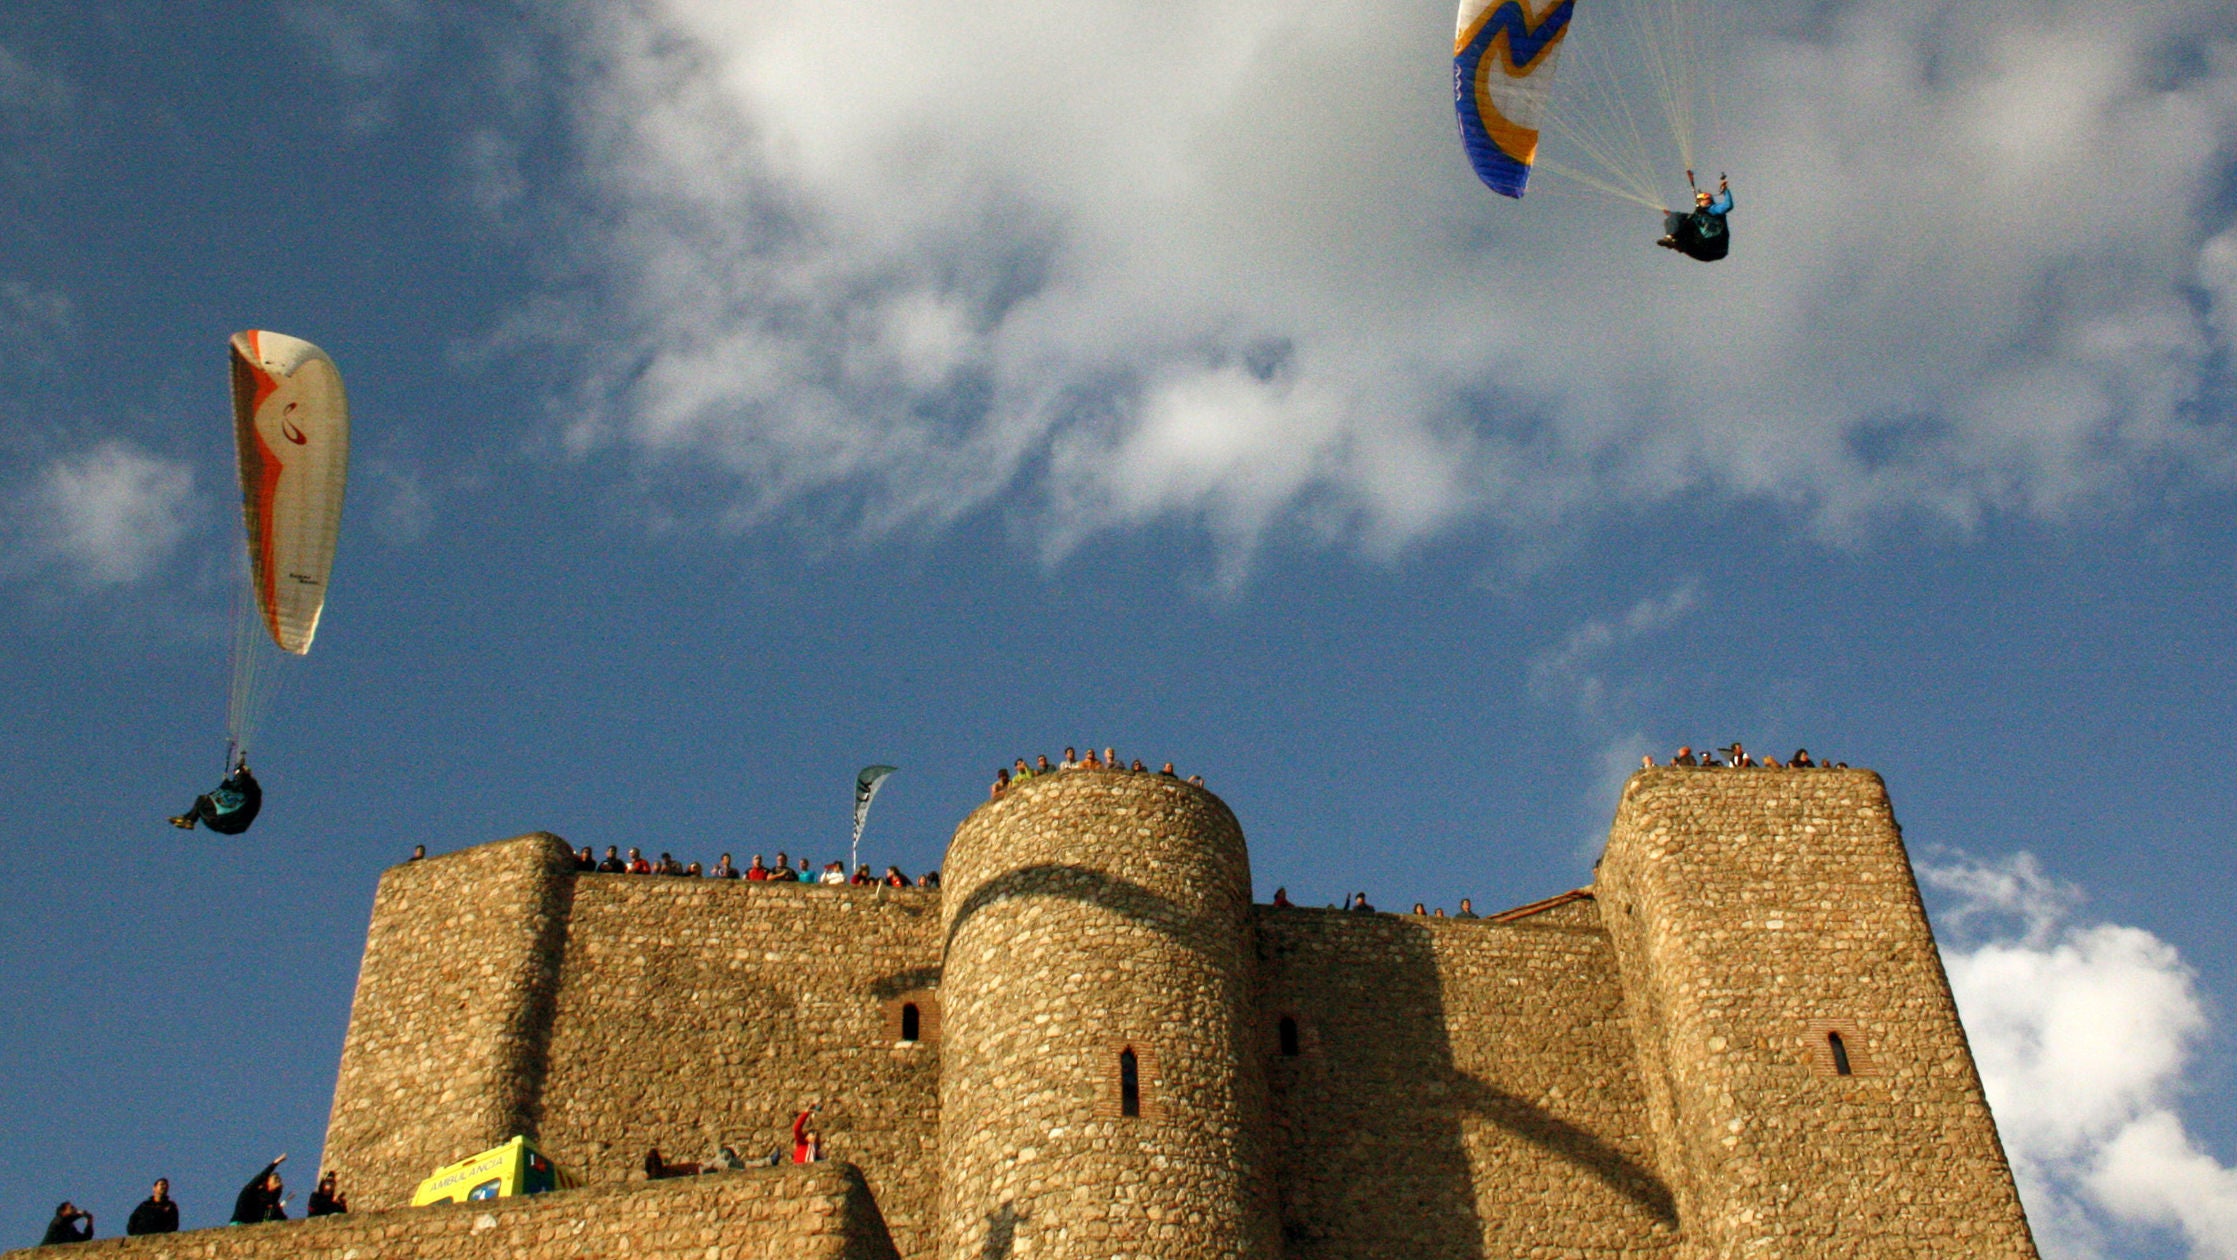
x,y
800,1212
692,1013
445,1050
1091,916
1459,1089
1753,913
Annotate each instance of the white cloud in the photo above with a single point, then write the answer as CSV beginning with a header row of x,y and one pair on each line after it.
x,y
1571,670
2083,1033
103,518
1221,261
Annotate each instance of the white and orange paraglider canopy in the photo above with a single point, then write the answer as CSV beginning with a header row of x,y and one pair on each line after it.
x,y
291,428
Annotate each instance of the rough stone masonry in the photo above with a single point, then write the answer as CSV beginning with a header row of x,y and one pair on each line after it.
x,y
1738,1043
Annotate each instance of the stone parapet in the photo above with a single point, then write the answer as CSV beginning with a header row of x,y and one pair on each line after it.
x,y
802,1212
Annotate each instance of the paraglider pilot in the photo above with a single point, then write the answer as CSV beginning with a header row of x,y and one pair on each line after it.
x,y
1703,234
230,808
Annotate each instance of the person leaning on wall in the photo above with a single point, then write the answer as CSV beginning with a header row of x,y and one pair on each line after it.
x,y
157,1214
261,1199
68,1226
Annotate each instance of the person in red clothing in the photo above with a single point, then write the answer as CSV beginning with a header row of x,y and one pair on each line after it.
x,y
757,870
807,1144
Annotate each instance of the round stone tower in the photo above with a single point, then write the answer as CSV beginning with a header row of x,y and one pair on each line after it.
x,y
1101,1093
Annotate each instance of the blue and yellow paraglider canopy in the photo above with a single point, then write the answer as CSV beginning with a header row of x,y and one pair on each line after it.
x,y
1502,76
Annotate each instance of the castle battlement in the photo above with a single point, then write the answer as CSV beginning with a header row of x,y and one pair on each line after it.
x,y
1738,1042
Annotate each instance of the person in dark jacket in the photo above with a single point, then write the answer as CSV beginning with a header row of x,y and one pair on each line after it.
x,y
68,1226
157,1214
327,1200
229,808
260,1200
1703,234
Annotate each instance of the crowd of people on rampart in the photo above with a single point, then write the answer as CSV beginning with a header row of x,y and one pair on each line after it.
x,y
782,872
1736,757
1020,770
1357,903
263,1198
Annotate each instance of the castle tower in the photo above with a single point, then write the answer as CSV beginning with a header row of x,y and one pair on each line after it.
x,y
1101,1094
1809,1086
445,1053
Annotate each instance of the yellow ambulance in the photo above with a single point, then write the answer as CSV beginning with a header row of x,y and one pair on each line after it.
x,y
517,1167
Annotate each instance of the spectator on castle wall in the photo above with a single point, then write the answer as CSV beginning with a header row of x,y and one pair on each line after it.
x,y
723,869
1000,785
930,879
727,1159
1801,760
418,851
1138,767
894,878
327,1199
1421,909
1169,772
1684,757
692,871
807,874
612,865
1358,904
157,1214
757,871
637,863
833,873
807,1143
585,861
1438,913
667,865
1110,759
1089,761
262,1199
862,875
781,873
1196,780
1071,759
1281,899
68,1226
1041,765
1467,909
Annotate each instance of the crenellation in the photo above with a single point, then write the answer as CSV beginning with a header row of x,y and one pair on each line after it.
x,y
1117,1055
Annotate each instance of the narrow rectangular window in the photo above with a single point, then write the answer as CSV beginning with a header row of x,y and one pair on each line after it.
x,y
1289,1037
1840,1053
1130,1083
909,1021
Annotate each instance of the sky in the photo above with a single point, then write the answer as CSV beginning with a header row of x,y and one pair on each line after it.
x,y
742,394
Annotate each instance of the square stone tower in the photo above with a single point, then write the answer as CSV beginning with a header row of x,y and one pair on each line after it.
x,y
1809,1086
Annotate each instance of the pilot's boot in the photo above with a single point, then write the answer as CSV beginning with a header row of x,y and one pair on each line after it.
x,y
184,822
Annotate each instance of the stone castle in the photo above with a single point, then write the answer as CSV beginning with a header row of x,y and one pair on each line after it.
x,y
1739,1042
